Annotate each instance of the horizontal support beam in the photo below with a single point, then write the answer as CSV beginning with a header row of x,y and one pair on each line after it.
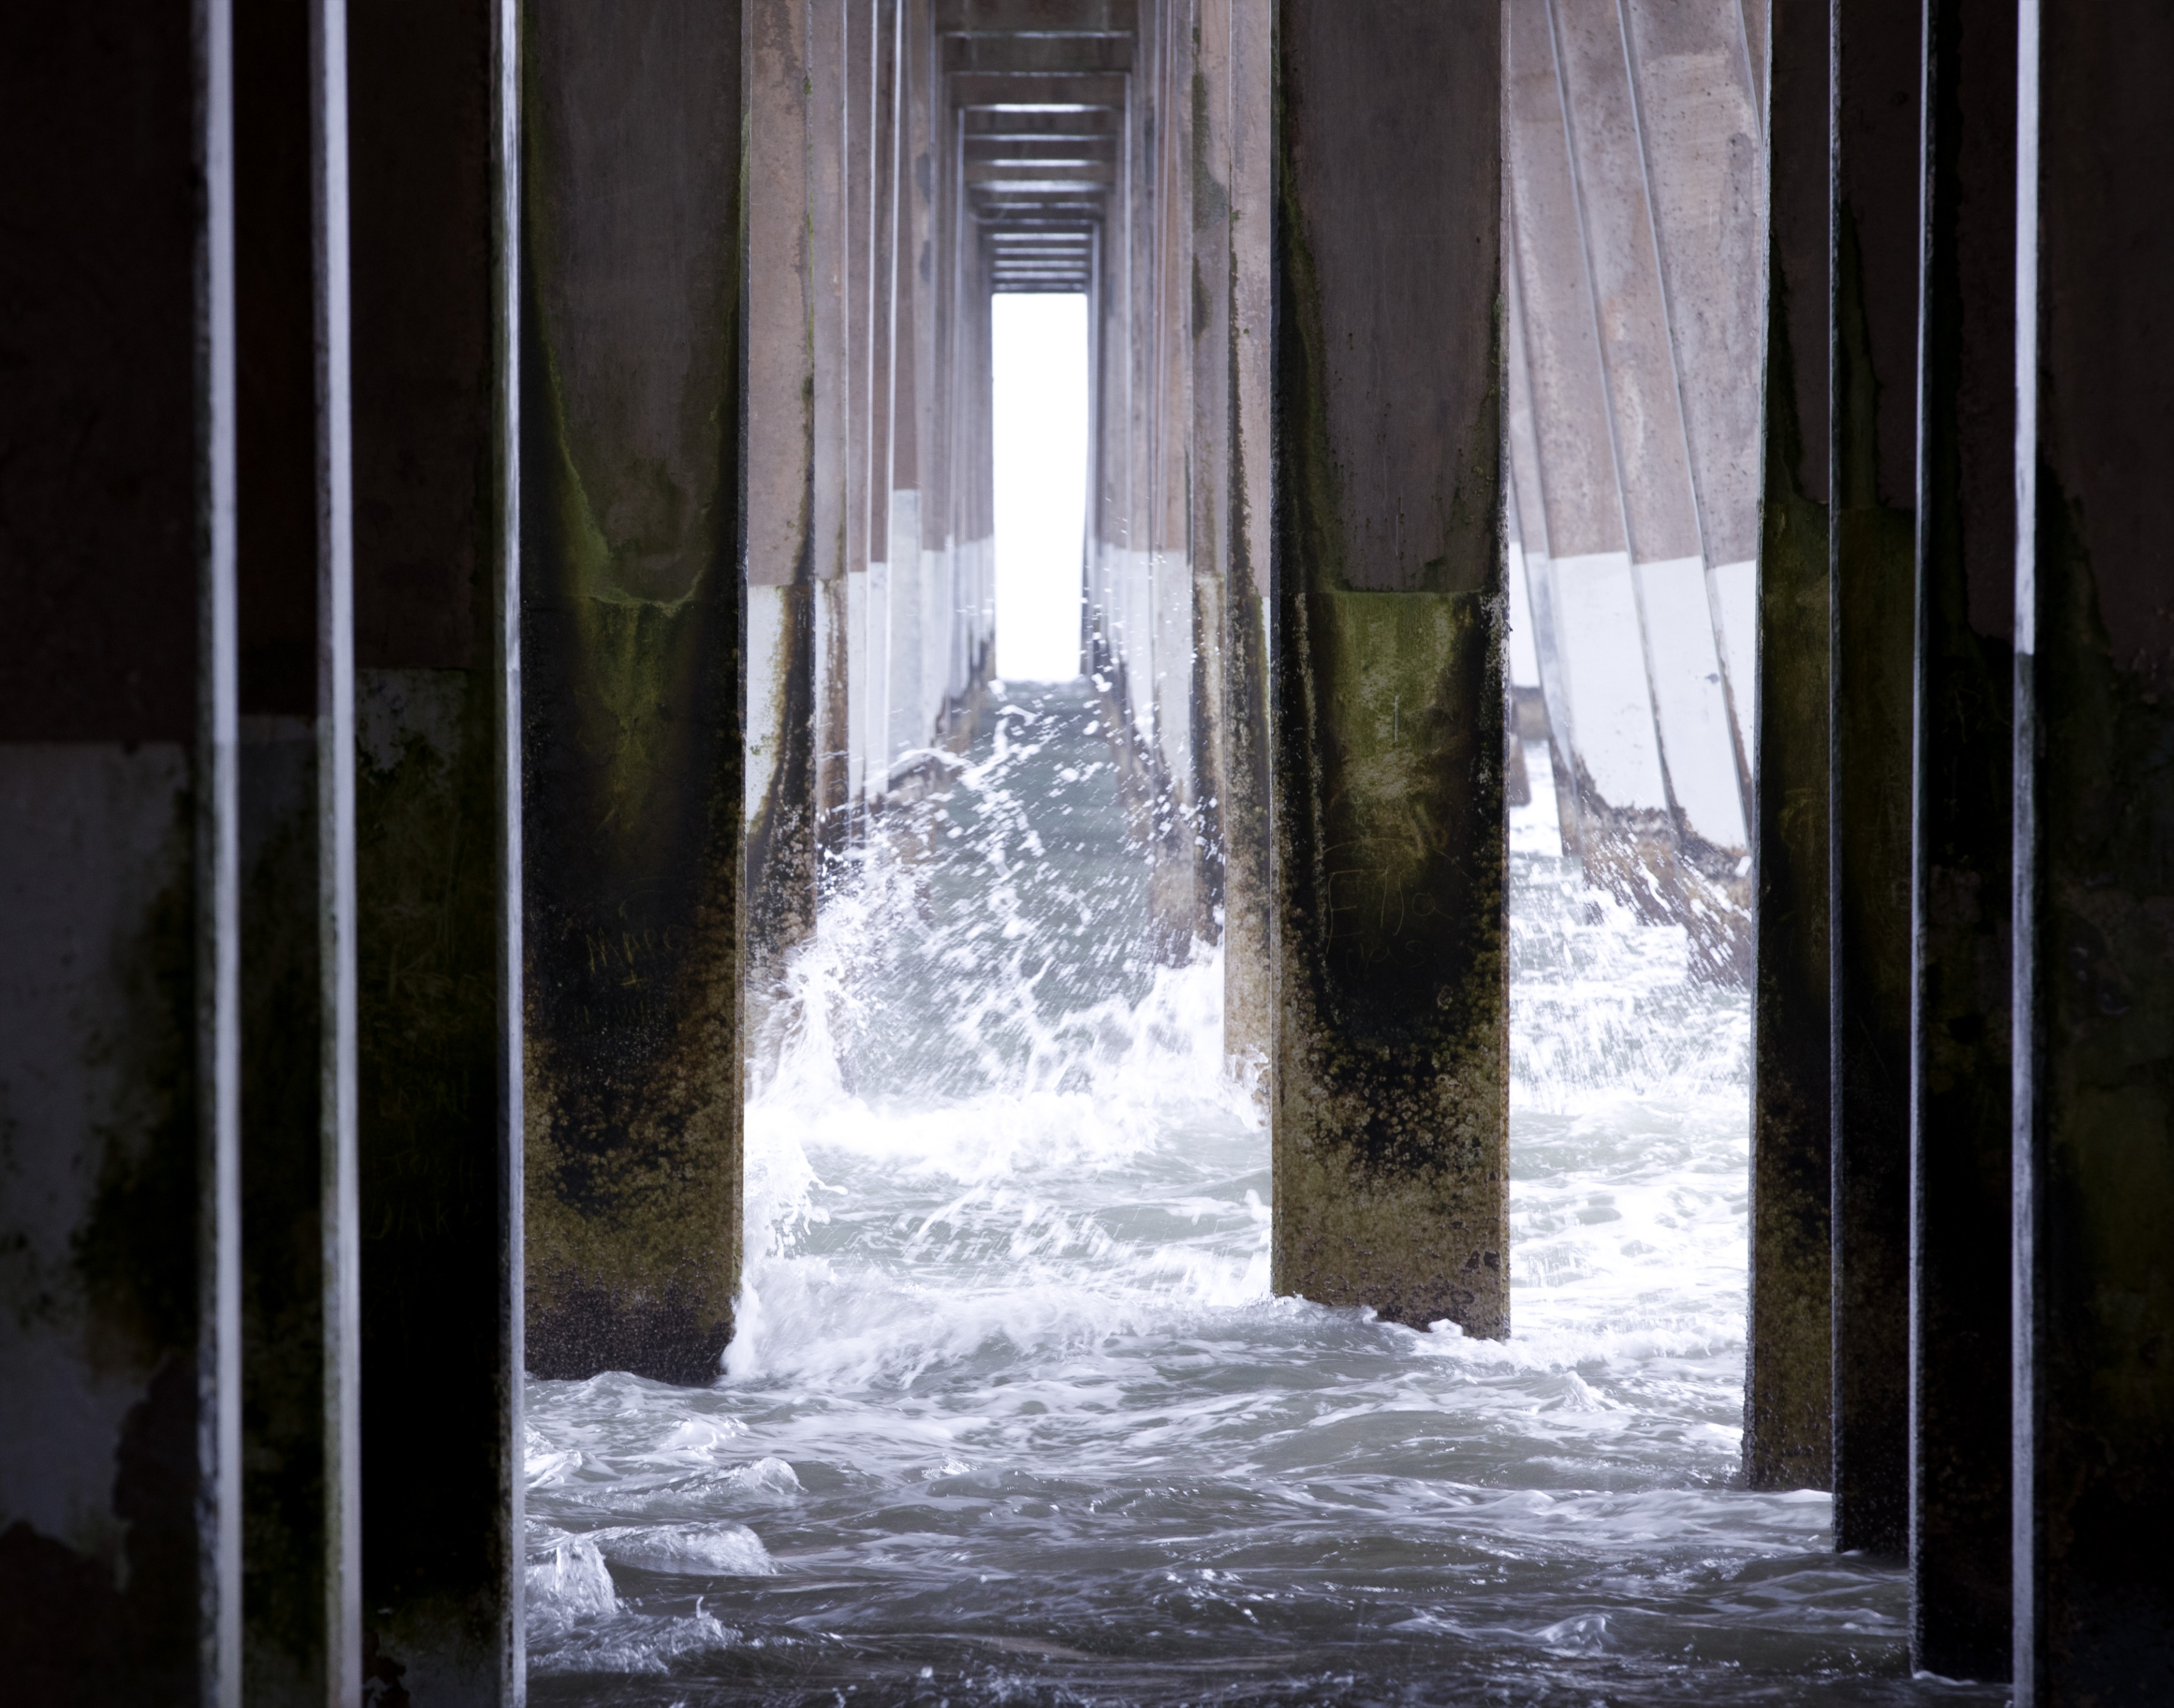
x,y
1013,54
1011,124
999,178
1054,151
1057,91
1037,17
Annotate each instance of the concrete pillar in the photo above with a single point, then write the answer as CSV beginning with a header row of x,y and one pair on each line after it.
x,y
1960,1062
882,399
905,722
857,385
829,264
1699,75
1391,1101
2095,858
1241,713
1183,878
630,412
120,1495
1788,1361
302,1561
1587,600
778,481
1645,433
1872,392
432,167
1525,513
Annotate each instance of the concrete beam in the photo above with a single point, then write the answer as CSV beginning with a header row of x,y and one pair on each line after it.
x,y
1018,97
2094,988
1017,124
432,133
1038,17
630,641
1035,55
120,1492
1961,1067
1788,1360
1391,1100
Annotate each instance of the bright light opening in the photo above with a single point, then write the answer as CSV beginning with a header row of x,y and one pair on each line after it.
x,y
1041,363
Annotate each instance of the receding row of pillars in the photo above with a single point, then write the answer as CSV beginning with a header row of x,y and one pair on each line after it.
x,y
401,466
1964,1010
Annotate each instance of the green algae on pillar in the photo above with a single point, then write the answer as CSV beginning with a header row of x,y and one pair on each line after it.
x,y
1390,1093
631,630
1788,1357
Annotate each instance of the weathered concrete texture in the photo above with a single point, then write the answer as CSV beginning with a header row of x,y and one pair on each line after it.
x,y
1788,1363
301,1524
119,1565
778,501
1873,458
1391,1097
632,680
438,1094
1960,1477
1631,142
1238,80
2094,816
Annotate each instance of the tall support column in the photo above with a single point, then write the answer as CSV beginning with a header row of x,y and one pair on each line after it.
x,y
300,1300
779,482
1248,893
1959,1063
830,265
432,138
1789,1363
120,1508
1391,1102
2095,858
630,423
856,386
1205,288
1873,388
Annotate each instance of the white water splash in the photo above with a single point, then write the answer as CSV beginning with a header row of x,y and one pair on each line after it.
x,y
1013,1416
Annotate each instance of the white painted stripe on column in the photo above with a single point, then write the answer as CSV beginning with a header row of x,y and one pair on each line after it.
x,y
1604,668
856,683
767,664
1690,704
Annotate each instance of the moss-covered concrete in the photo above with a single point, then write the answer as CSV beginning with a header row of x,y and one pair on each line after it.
x,y
1391,1093
1788,1363
1962,1597
631,611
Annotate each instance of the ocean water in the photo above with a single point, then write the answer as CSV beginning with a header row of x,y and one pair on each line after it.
x,y
1012,1417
